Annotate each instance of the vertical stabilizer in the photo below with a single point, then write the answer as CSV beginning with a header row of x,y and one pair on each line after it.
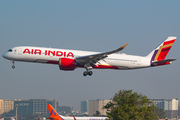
x,y
53,114
162,50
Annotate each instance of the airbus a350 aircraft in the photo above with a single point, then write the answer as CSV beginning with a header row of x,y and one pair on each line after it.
x,y
70,59
55,116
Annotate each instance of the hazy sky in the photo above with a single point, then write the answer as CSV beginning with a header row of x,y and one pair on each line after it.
x,y
93,25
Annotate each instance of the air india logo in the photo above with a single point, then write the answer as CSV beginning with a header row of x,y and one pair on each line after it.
x,y
52,112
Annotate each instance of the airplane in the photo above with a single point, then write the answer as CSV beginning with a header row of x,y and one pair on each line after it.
x,y
69,60
55,116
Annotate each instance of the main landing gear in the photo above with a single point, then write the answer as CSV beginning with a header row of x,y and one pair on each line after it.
x,y
87,72
13,66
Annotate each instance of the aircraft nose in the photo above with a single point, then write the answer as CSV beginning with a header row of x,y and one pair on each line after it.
x,y
4,55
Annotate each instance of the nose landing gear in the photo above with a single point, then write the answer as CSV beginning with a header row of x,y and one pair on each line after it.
x,y
13,66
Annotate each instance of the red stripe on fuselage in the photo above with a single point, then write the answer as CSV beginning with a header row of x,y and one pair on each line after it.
x,y
81,66
101,67
106,67
52,62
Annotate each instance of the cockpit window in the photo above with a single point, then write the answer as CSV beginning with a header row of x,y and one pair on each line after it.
x,y
10,50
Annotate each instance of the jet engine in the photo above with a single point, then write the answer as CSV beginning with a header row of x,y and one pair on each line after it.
x,y
67,64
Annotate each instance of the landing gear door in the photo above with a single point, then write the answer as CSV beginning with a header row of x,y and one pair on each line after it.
x,y
20,51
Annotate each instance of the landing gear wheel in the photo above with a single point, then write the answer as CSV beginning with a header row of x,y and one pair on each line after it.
x,y
13,66
85,73
90,73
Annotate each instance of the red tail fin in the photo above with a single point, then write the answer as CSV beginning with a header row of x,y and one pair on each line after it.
x,y
160,53
53,114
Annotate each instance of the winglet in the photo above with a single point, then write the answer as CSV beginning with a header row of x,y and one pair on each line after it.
x,y
123,46
117,50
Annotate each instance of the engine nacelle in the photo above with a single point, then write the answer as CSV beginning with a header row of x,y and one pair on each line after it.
x,y
66,64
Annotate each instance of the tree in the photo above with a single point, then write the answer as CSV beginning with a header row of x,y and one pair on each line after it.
x,y
7,114
97,113
128,105
160,113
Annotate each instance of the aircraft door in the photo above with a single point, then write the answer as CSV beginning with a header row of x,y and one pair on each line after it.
x,y
138,61
19,51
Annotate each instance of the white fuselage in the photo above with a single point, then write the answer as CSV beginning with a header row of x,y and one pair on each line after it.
x,y
84,118
52,55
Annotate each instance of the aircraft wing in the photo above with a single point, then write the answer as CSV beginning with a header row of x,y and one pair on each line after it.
x,y
92,59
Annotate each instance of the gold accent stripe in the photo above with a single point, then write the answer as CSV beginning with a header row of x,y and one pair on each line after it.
x,y
160,49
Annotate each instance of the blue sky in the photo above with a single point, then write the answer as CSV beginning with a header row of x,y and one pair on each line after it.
x,y
91,25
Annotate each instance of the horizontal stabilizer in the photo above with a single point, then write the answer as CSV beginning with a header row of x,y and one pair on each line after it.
x,y
164,61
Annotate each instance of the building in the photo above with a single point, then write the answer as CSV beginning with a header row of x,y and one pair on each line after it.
x,y
170,106
65,109
40,105
34,106
6,105
25,107
97,105
178,111
84,106
166,104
